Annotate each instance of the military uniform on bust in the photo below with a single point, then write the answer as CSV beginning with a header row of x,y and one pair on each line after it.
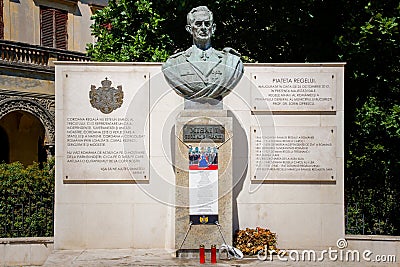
x,y
197,73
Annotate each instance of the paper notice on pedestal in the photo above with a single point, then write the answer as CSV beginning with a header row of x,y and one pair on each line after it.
x,y
203,185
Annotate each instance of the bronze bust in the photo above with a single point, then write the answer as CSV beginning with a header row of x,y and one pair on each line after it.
x,y
202,72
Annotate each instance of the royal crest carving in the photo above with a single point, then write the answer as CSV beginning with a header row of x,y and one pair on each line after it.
x,y
106,98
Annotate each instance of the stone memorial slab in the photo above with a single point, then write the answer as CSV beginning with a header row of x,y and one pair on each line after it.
x,y
293,90
105,131
293,153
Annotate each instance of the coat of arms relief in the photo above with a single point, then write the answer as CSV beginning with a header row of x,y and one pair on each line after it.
x,y
106,98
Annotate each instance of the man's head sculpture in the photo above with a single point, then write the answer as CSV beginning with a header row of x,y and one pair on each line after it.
x,y
200,24
202,72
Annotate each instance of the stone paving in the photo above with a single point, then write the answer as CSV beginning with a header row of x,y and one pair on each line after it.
x,y
153,257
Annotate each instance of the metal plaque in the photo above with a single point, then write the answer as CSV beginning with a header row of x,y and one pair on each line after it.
x,y
293,153
198,133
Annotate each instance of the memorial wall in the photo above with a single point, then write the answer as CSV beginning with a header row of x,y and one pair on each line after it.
x,y
115,154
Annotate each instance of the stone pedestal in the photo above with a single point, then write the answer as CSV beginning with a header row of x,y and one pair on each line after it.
x,y
206,235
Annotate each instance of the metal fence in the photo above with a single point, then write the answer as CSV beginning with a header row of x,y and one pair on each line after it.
x,y
31,218
358,224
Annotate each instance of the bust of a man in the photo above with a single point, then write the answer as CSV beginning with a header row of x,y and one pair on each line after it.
x,y
202,72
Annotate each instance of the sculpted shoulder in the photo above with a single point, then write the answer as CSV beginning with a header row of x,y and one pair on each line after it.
x,y
229,50
177,54
232,58
176,58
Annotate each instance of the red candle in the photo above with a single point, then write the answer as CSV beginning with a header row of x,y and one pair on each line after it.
x,y
202,254
213,254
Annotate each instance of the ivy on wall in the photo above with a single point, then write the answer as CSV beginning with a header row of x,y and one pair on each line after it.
x,y
26,199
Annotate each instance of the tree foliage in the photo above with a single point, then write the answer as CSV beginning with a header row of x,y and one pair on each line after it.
x,y
364,34
370,43
128,30
26,199
262,31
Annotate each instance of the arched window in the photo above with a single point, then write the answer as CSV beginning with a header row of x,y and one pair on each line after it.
x,y
25,134
4,146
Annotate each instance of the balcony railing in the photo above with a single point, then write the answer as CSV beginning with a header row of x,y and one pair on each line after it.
x,y
17,54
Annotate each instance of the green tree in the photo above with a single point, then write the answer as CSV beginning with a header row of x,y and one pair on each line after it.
x,y
128,30
370,44
262,31
26,199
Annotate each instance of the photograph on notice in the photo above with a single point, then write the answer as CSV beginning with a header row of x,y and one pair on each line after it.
x,y
203,158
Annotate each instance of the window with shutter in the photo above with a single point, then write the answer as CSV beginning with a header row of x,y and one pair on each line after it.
x,y
1,20
46,26
61,29
53,27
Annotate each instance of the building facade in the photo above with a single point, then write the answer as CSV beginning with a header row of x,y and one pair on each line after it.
x,y
34,34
